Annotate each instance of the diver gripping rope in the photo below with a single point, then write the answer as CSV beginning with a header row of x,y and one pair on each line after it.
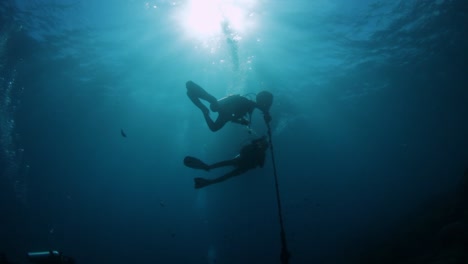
x,y
285,255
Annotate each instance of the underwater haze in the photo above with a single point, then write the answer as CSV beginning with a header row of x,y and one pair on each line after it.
x,y
369,130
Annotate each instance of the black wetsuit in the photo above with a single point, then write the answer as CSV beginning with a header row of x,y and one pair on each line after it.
x,y
251,156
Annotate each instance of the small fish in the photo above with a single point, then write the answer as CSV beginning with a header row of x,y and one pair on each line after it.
x,y
123,133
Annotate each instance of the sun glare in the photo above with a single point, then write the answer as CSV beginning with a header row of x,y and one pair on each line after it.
x,y
204,19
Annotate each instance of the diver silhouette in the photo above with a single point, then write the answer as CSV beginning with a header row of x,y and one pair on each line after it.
x,y
251,156
233,108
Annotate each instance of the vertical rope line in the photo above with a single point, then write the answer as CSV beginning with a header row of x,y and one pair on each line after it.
x,y
285,255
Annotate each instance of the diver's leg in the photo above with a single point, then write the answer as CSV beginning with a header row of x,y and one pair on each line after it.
x,y
231,162
215,125
197,92
195,163
199,104
202,182
228,175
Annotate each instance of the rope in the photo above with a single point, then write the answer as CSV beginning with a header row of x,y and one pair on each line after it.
x,y
285,255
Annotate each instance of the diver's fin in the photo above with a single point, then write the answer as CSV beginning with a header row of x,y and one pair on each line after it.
x,y
195,163
195,91
201,182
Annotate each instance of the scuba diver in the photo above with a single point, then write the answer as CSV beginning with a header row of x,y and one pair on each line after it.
x,y
234,108
251,156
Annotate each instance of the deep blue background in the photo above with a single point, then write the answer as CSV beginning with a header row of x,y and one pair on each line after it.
x,y
369,124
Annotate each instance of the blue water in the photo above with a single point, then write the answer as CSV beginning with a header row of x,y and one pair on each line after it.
x,y
369,125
